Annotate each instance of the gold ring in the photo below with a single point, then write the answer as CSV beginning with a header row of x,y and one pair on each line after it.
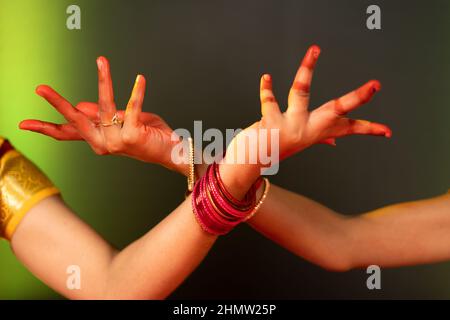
x,y
114,122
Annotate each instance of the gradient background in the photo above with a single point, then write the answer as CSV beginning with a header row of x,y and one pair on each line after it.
x,y
203,60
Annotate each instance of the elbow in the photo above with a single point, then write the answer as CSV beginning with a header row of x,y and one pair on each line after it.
x,y
337,265
125,291
121,293
335,258
131,296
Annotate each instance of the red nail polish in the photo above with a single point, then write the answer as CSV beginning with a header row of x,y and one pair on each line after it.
x,y
315,51
376,86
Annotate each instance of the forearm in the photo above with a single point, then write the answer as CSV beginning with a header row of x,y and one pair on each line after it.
x,y
305,228
403,234
153,266
398,235
51,238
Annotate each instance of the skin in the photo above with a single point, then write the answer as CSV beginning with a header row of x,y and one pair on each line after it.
x,y
300,128
145,136
51,237
402,234
388,237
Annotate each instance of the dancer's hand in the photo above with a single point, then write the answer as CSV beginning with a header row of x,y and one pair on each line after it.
x,y
144,136
300,128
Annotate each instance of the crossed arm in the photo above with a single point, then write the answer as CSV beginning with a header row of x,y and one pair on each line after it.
x,y
302,226
50,238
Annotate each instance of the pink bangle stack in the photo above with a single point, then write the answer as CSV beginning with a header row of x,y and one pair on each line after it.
x,y
216,210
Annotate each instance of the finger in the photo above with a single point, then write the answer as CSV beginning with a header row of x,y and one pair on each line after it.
x,y
107,107
134,106
330,141
71,114
354,99
63,106
269,105
56,131
346,126
90,109
299,94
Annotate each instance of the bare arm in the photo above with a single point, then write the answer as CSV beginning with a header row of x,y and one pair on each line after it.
x,y
51,237
299,224
398,235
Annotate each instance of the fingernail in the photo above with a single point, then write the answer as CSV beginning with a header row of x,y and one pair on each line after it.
x,y
267,77
38,90
138,79
99,63
376,86
315,49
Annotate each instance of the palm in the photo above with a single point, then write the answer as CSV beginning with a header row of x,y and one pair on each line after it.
x,y
153,131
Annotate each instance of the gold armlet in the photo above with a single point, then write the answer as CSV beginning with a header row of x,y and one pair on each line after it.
x,y
22,185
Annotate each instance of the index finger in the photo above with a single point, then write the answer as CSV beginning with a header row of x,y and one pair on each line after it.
x,y
63,106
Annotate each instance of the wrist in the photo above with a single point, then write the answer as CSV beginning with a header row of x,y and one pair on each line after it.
x,y
238,178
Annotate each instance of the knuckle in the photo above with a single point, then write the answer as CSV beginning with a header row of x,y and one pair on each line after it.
x,y
338,108
301,94
295,138
113,147
266,99
100,151
301,89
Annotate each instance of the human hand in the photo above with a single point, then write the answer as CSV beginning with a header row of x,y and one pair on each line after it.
x,y
299,128
144,136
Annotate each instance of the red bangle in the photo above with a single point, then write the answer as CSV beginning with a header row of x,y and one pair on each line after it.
x,y
215,209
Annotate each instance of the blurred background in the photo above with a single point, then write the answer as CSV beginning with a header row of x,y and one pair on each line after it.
x,y
203,61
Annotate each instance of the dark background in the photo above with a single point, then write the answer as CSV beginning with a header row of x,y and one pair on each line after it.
x,y
203,61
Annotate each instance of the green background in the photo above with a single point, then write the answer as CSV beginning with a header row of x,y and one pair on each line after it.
x,y
203,60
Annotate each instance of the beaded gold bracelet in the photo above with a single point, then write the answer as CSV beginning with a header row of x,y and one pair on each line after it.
x,y
191,174
261,200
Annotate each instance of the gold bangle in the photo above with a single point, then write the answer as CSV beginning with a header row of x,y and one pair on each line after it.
x,y
22,185
261,200
191,174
